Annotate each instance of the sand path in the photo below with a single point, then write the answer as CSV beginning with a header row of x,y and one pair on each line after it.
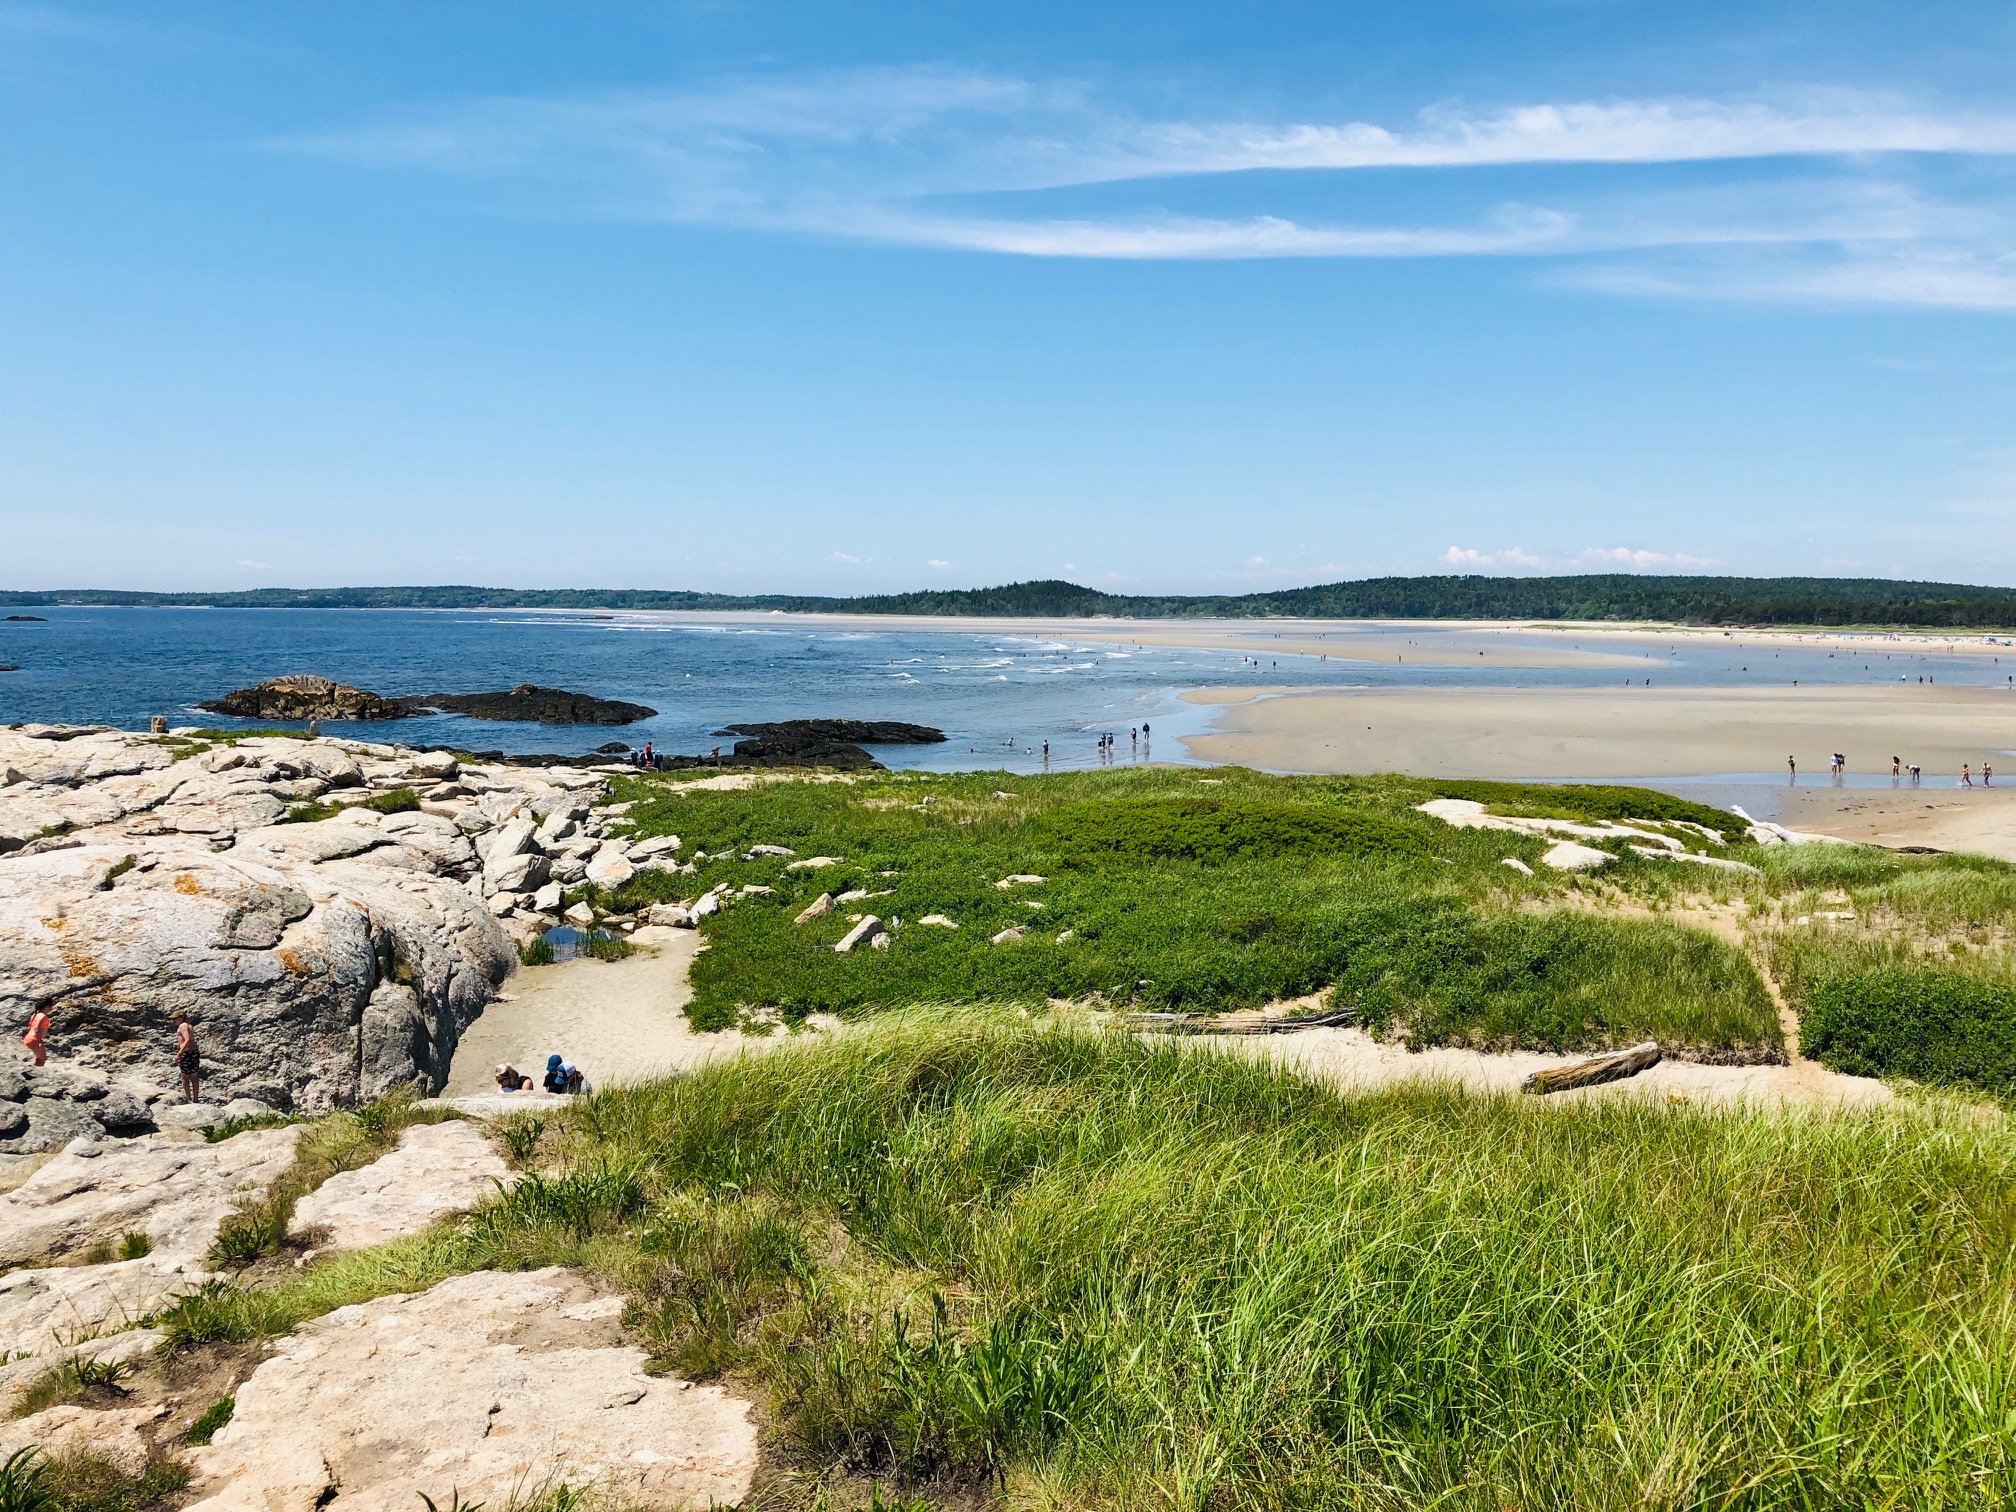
x,y
622,1021
619,1021
1352,1061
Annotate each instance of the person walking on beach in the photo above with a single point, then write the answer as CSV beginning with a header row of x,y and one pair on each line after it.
x,y
1792,766
1966,775
188,1059
35,1041
1896,766
1987,772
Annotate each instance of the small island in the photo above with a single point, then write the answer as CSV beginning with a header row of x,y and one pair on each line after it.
x,y
307,697
533,704
302,698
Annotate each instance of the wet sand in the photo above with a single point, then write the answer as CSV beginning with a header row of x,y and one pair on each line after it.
x,y
1453,643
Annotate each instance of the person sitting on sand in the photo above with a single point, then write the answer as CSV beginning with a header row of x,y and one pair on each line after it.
x,y
35,1040
556,1074
188,1059
508,1078
576,1083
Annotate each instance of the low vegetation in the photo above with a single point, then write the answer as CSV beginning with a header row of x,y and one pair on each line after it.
x,y
968,1255
341,1142
1183,890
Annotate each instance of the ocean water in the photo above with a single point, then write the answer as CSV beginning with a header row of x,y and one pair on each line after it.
x,y
998,695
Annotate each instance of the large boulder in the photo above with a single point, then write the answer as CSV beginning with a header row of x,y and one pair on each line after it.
x,y
485,1386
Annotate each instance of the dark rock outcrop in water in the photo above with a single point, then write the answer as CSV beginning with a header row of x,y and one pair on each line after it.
x,y
298,698
531,703
8,667
27,619
848,731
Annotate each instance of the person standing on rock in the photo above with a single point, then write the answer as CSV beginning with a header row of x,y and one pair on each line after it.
x,y
39,1025
188,1059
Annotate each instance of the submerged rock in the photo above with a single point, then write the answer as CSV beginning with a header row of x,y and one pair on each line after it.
x,y
302,698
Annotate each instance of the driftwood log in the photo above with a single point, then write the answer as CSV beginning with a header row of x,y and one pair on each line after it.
x,y
1593,1072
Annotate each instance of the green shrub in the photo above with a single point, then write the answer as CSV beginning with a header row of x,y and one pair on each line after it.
x,y
1948,1028
1439,973
1218,830
135,1245
398,801
606,947
310,812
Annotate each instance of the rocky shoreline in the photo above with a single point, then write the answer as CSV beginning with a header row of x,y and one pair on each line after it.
x,y
331,914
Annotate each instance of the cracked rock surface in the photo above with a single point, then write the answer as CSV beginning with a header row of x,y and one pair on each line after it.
x,y
490,1385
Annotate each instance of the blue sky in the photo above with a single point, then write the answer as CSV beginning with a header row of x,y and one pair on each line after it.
x,y
1154,296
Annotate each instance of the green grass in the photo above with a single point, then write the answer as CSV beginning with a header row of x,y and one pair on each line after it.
x,y
1130,1276
398,801
1560,980
213,1418
1183,890
598,946
967,1254
341,1142
78,1380
536,952
310,812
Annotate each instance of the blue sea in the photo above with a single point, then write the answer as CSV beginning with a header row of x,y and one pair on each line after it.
x,y
998,694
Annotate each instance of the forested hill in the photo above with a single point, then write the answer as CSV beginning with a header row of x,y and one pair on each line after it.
x,y
1616,596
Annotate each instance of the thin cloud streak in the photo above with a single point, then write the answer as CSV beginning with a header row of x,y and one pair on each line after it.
x,y
885,155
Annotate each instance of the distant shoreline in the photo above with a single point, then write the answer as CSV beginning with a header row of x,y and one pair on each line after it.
x,y
1618,598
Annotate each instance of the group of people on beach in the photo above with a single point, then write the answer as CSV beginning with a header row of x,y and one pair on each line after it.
x,y
188,1055
1109,743
1837,769
562,1076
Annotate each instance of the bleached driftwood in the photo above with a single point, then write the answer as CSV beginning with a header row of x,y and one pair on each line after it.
x,y
1593,1072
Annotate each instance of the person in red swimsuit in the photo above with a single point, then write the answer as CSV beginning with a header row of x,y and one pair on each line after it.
x,y
39,1025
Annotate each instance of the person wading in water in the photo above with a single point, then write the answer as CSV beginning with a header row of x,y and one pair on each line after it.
x,y
188,1059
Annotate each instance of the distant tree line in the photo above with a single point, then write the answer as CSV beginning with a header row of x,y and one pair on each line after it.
x,y
1608,596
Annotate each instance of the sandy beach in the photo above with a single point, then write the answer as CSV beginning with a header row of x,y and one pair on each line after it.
x,y
1658,733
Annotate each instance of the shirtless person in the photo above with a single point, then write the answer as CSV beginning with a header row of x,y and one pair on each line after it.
x,y
188,1059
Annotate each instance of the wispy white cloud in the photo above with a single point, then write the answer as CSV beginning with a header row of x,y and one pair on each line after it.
x,y
1939,275
1607,558
848,559
942,157
938,564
